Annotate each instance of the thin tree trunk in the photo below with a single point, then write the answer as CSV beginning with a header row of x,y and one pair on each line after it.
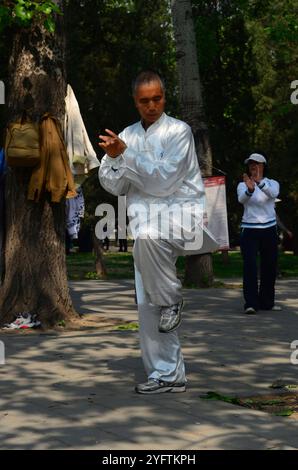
x,y
35,262
199,269
100,266
295,238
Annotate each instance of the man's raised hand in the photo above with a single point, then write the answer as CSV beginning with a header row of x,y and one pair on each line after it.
x,y
111,144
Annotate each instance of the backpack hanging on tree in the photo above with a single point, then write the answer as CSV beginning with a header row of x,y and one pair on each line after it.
x,y
22,144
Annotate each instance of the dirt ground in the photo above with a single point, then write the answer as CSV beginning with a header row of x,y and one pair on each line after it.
x,y
82,322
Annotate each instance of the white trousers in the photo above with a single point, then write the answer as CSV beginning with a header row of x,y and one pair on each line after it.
x,y
156,284
155,260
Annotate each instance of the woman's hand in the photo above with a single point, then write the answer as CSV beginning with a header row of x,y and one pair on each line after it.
x,y
249,183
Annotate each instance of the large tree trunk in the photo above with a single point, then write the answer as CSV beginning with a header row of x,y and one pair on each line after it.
x,y
35,262
199,269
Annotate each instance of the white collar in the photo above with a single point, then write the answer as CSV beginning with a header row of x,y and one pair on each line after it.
x,y
153,126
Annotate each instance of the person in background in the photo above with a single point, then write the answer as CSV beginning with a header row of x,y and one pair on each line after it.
x,y
123,245
106,244
257,194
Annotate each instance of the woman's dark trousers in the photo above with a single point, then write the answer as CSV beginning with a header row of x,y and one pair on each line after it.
x,y
264,242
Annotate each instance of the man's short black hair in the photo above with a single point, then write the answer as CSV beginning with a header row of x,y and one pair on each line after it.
x,y
145,77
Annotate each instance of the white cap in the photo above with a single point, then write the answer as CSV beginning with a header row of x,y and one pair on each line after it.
x,y
256,157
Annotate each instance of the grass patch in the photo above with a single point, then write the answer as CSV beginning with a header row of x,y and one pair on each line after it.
x,y
219,397
81,266
128,327
284,404
120,266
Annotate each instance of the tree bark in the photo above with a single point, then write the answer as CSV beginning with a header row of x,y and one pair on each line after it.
x,y
100,266
295,238
199,269
35,277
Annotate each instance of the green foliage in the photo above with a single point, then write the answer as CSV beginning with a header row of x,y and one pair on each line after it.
x,y
108,43
287,412
92,275
219,397
5,17
23,12
248,57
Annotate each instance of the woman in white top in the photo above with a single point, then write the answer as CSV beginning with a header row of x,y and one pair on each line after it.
x,y
258,235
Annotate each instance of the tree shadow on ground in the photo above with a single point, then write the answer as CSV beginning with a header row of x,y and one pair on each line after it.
x,y
76,389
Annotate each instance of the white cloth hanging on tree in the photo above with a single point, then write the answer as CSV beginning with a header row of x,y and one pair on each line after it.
x,y
81,154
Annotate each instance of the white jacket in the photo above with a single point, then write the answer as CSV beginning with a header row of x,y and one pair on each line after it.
x,y
159,166
259,206
82,157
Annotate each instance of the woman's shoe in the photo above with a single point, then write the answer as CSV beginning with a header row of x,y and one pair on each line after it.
x,y
250,311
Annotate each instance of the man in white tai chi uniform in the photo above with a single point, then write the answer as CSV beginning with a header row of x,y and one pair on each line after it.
x,y
154,163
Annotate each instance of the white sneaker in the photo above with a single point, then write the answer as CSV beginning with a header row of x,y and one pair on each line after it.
x,y
276,308
22,319
154,386
170,317
250,311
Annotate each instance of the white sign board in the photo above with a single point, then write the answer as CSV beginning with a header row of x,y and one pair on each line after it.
x,y
216,207
2,92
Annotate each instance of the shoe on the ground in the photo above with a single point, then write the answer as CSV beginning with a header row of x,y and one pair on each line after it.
x,y
250,311
22,319
154,386
275,308
170,317
33,324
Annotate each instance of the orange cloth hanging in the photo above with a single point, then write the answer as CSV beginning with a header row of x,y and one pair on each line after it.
x,y
53,173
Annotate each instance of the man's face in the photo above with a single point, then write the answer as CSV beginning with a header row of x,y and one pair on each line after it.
x,y
150,102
